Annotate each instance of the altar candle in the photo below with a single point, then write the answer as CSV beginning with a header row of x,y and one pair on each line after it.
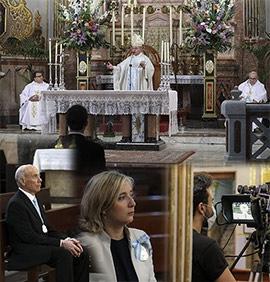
x,y
143,27
113,28
50,50
60,52
128,3
131,22
180,27
168,52
135,3
161,52
56,44
123,26
171,27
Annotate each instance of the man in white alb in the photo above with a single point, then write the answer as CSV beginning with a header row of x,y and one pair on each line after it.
x,y
135,73
253,91
30,113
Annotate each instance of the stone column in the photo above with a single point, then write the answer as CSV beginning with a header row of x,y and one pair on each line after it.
x,y
63,128
126,128
235,113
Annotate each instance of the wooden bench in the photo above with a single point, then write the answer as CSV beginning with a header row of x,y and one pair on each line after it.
x,y
154,203
43,195
33,273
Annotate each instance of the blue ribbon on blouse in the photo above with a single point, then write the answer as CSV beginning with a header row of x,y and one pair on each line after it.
x,y
137,245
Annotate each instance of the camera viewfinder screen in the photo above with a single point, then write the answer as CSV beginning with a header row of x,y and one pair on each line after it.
x,y
242,210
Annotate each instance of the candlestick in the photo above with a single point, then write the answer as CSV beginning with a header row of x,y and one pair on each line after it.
x,y
180,27
55,67
161,52
56,47
135,3
131,22
171,27
168,52
50,64
128,3
50,50
123,26
143,26
60,53
113,28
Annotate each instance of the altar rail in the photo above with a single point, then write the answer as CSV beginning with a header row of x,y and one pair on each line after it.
x,y
242,143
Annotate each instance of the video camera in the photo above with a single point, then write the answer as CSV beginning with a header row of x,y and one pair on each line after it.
x,y
251,206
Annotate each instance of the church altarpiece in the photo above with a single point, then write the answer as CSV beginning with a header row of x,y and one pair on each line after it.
x,y
17,17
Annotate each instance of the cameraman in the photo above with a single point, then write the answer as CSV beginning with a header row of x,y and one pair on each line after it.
x,y
208,261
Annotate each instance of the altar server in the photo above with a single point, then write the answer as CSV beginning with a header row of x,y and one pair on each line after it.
x,y
30,112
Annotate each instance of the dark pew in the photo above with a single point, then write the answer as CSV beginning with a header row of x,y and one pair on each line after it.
x,y
62,219
33,273
43,195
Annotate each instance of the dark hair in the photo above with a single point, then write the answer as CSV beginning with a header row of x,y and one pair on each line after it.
x,y
77,117
37,71
202,181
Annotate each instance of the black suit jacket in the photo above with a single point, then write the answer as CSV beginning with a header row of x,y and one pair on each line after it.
x,y
30,245
90,156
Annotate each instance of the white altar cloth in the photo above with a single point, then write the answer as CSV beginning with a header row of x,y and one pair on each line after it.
x,y
54,159
110,102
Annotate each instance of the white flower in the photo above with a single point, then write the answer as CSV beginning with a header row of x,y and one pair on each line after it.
x,y
209,30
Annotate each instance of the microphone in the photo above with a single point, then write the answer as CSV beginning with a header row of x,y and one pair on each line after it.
x,y
130,65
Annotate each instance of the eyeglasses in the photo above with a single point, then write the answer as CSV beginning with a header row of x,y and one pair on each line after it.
x,y
39,75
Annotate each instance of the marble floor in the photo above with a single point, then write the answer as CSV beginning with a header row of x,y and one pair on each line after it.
x,y
208,144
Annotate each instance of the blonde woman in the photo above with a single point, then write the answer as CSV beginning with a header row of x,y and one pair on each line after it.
x,y
117,253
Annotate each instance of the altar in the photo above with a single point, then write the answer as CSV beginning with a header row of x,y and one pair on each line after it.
x,y
109,102
190,97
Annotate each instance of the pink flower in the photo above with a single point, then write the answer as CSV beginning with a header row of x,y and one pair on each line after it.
x,y
218,18
86,24
78,31
214,31
193,38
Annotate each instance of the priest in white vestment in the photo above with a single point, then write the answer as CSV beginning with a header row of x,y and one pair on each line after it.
x,y
253,91
135,73
30,112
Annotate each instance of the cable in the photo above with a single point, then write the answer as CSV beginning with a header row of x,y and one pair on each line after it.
x,y
229,238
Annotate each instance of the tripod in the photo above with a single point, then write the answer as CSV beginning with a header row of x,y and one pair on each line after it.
x,y
258,266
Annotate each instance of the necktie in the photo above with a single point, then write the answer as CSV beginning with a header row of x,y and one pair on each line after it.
x,y
37,208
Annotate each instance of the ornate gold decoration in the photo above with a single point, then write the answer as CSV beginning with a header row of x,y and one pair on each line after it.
x,y
82,67
37,20
22,17
209,66
59,144
3,19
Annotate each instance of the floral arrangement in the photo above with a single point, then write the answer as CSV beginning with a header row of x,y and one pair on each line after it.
x,y
209,26
85,27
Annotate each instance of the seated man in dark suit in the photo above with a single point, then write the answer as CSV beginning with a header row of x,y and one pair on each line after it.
x,y
90,157
34,241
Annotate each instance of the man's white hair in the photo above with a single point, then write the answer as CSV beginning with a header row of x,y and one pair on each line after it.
x,y
20,173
